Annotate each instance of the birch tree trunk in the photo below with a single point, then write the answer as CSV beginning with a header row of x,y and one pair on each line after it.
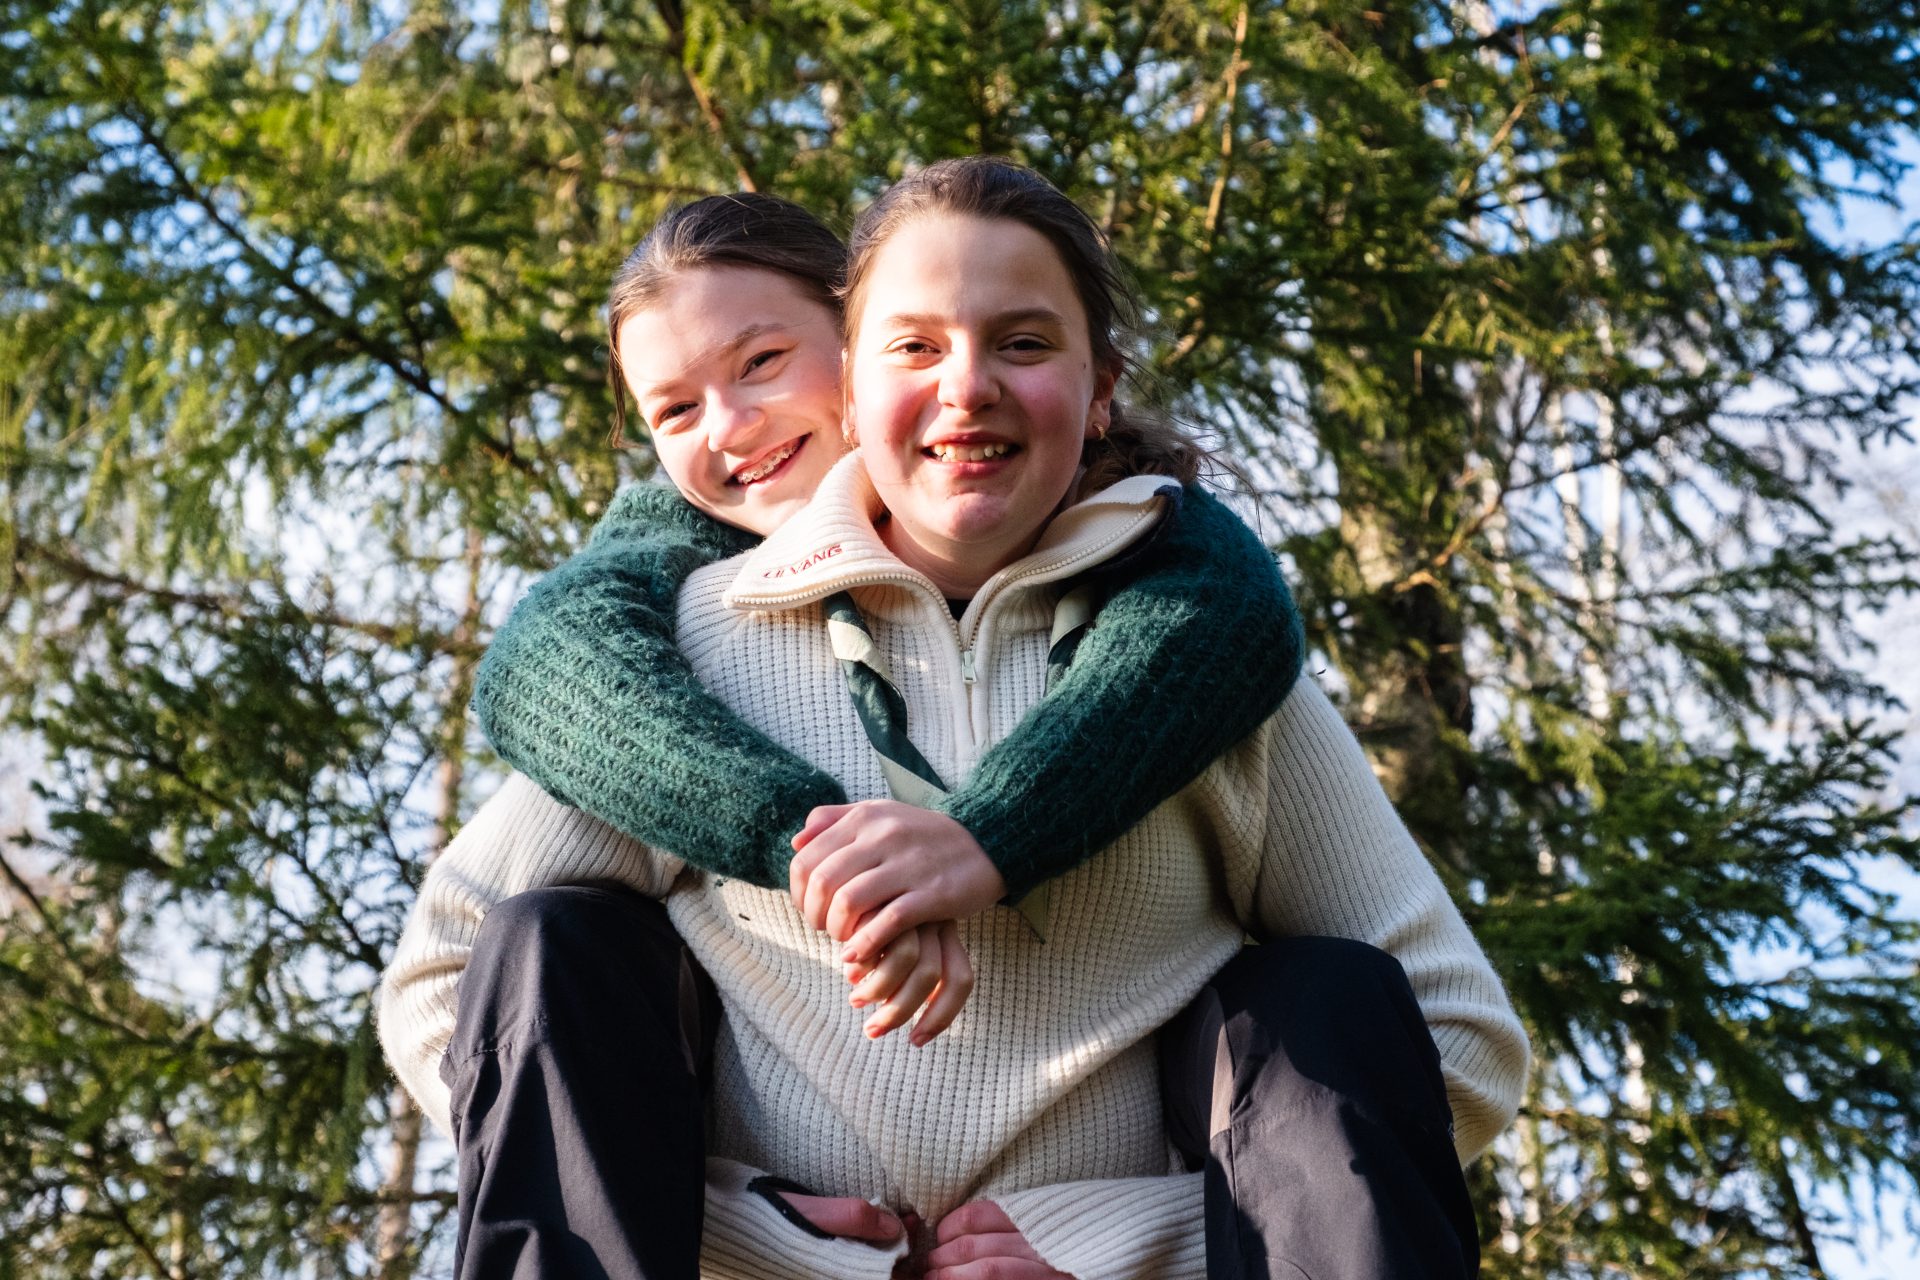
x,y
393,1230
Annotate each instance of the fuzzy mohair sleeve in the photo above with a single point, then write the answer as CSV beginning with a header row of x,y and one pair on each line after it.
x,y
585,692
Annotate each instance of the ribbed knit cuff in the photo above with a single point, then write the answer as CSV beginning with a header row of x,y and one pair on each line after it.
x,y
1118,1229
746,1239
415,1062
1484,1097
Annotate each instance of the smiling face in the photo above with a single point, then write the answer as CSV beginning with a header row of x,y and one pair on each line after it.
x,y
972,388
736,372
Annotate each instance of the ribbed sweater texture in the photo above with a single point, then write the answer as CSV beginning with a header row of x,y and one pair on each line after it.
x,y
1044,1095
585,691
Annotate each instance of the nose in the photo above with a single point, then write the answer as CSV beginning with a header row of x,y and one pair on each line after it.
x,y
732,422
968,382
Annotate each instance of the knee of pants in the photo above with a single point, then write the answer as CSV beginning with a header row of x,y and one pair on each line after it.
x,y
1307,977
1341,1014
578,959
566,925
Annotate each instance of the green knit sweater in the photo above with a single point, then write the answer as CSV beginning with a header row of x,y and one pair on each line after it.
x,y
584,691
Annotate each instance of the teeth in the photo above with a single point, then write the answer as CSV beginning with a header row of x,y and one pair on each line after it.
x,y
969,452
765,467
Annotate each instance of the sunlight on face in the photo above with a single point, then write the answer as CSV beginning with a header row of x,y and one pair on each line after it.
x,y
972,389
737,374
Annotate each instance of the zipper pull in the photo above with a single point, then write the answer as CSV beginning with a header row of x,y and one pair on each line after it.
x,y
966,666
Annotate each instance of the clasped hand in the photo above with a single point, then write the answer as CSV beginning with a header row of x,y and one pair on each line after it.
x,y
977,1241
889,880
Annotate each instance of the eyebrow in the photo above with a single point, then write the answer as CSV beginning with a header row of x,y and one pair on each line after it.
x,y
1019,315
725,347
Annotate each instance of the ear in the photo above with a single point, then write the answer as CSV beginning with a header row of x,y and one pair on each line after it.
x,y
1100,408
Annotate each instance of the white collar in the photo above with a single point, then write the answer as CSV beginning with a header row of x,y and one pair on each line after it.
x,y
831,544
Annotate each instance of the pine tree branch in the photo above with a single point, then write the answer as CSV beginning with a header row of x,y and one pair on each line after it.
x,y
125,1220
1463,534
377,349
1796,1213
359,948
1216,198
34,901
238,608
1494,144
22,1116
101,1011
98,1016
1511,36
675,18
1120,86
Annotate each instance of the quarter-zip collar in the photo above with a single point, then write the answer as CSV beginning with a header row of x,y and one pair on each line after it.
x,y
832,545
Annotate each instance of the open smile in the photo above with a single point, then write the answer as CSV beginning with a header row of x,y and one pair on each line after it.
x,y
959,451
769,465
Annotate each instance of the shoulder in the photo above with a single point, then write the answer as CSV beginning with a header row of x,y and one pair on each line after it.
x,y
1303,756
1306,737
520,813
1305,721
1308,728
715,635
522,837
516,802
657,513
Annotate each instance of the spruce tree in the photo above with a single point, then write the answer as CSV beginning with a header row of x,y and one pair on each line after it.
x,y
1521,320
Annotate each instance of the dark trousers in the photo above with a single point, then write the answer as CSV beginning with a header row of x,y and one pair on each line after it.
x,y
577,1069
1302,1079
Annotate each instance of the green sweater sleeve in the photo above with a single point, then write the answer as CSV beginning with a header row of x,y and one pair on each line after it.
x,y
1197,644
585,691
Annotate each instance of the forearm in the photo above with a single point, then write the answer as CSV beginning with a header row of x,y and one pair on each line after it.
x,y
1116,1229
520,839
1191,652
585,691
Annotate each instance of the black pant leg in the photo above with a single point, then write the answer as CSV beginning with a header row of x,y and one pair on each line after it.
x,y
1304,1080
578,1108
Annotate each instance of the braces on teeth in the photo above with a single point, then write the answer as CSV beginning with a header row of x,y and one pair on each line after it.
x,y
766,467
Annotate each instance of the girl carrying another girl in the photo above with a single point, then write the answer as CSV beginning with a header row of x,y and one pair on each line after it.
x,y
731,309
981,373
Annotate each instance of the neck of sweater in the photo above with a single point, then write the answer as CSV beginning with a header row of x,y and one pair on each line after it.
x,y
957,576
838,541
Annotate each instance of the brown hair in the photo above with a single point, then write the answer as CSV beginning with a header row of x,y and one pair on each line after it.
x,y
744,230
1137,442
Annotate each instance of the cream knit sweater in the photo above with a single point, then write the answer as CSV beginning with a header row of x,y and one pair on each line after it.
x,y
1044,1095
